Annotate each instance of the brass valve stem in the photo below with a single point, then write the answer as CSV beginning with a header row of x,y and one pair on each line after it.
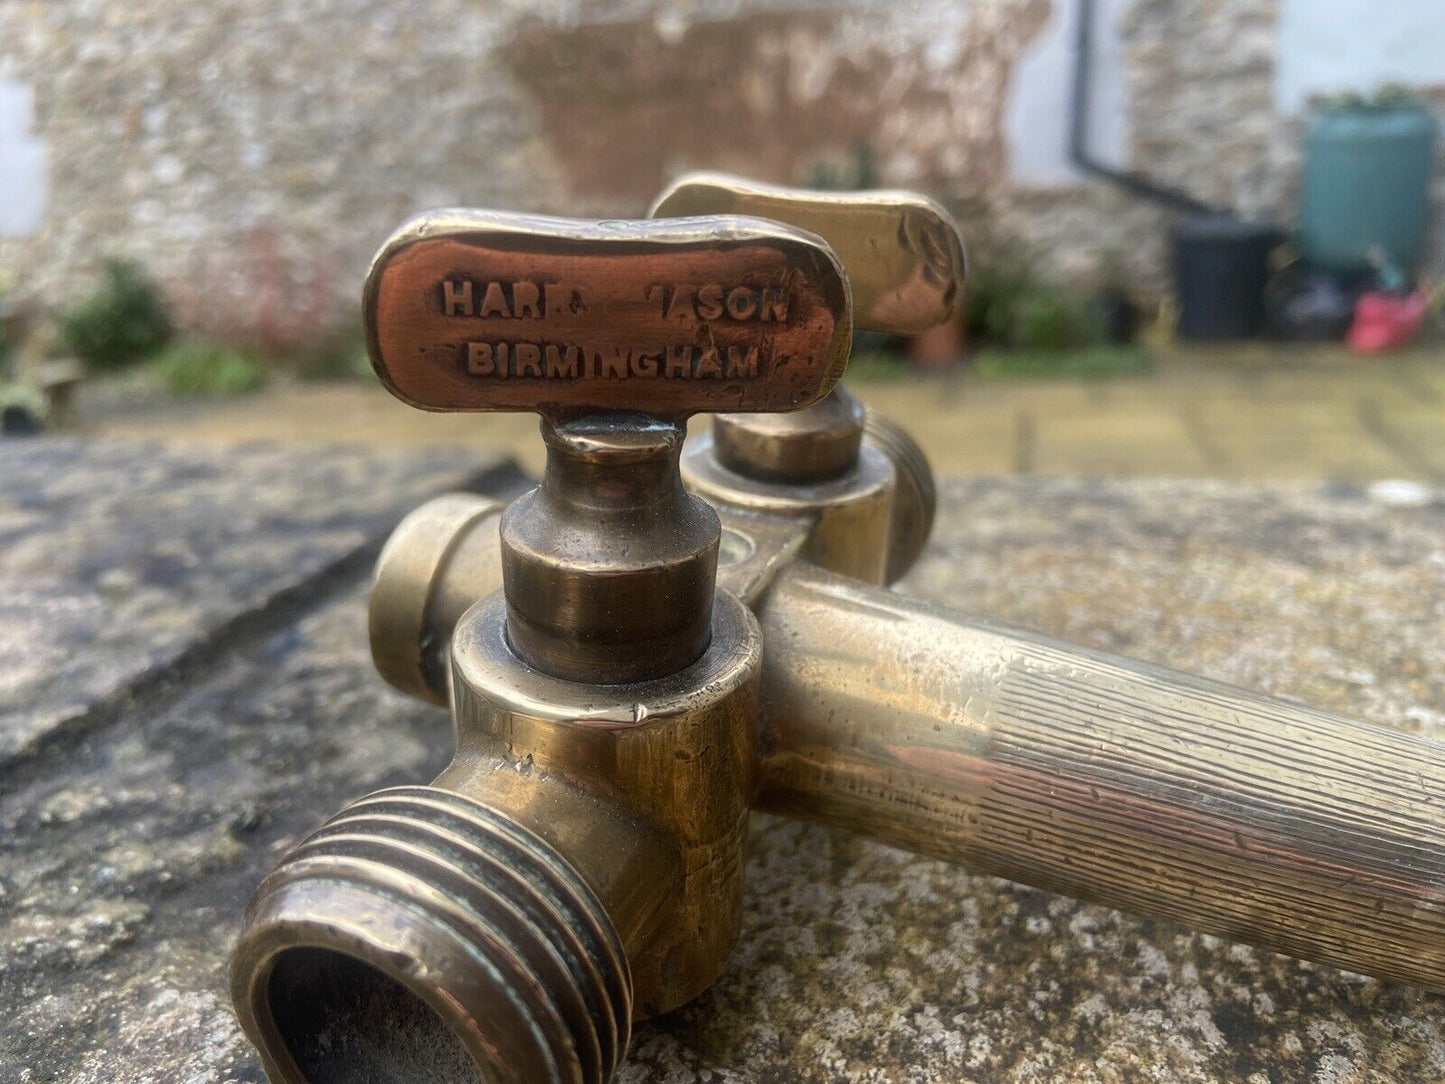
x,y
608,566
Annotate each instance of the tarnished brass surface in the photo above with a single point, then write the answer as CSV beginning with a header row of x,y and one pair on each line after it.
x,y
609,565
1104,778
578,863
905,260
411,596
675,755
743,465
809,445
915,498
849,517
1095,775
420,935
902,250
482,310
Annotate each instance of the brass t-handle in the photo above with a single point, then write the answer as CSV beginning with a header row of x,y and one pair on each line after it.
x,y
485,311
615,332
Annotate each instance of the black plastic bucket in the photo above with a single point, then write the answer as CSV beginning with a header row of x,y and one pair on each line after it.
x,y
1221,268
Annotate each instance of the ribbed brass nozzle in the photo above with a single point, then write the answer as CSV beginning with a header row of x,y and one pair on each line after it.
x,y
419,935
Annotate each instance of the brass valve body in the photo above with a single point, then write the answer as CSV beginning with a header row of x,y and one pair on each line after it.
x,y
849,515
580,861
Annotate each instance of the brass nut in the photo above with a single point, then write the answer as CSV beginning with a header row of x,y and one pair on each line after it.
x,y
419,592
809,445
851,516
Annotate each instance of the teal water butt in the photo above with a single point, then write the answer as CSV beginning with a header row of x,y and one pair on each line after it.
x,y
1367,187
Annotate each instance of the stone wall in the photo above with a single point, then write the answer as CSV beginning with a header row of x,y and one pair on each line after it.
x,y
254,153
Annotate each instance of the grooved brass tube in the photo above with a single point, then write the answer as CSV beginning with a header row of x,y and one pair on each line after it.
x,y
1104,778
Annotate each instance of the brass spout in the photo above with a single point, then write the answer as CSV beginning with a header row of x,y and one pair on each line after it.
x,y
1104,778
422,935
577,864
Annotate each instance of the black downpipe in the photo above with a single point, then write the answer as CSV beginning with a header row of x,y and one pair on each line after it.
x,y
1131,182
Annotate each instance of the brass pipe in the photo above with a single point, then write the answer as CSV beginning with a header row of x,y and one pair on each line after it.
x,y
1097,776
1104,778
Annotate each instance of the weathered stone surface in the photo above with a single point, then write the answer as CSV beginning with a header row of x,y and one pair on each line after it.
x,y
128,859
117,560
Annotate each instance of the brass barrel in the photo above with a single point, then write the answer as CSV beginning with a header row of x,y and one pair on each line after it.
x,y
1104,778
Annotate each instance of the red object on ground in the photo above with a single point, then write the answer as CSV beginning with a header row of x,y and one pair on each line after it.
x,y
1386,321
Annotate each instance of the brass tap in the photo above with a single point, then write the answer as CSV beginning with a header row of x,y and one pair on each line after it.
x,y
630,669
581,859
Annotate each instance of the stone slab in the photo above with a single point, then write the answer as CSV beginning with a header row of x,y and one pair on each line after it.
x,y
126,862
117,560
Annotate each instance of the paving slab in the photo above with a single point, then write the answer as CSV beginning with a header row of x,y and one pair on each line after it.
x,y
126,858
118,560
1247,412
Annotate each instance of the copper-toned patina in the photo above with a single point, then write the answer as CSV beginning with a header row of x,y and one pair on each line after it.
x,y
651,668
481,310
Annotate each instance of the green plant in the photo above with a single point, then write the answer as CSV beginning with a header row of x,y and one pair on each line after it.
x,y
122,322
23,409
26,396
1050,318
339,356
991,300
198,367
878,367
1386,96
7,348
858,173
1009,305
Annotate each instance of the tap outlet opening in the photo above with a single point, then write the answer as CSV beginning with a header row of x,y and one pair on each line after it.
x,y
345,1022
420,936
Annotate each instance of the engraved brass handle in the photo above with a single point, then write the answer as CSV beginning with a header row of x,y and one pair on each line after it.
x,y
903,252
482,310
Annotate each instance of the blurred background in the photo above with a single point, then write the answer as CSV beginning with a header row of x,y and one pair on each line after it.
x,y
1205,235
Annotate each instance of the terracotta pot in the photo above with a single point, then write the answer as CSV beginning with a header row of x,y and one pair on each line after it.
x,y
941,347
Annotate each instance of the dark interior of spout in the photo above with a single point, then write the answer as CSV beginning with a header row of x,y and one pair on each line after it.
x,y
347,1023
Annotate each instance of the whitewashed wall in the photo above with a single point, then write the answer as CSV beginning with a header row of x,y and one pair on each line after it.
x,y
1332,45
1041,90
24,164
1324,46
